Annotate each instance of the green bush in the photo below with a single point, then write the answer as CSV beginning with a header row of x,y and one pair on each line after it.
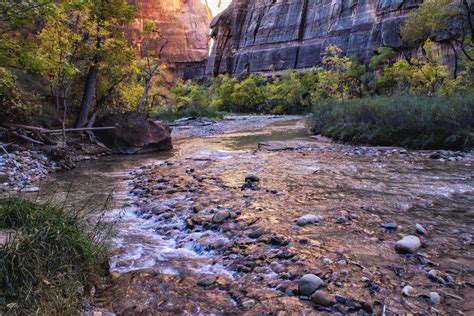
x,y
53,255
412,121
169,115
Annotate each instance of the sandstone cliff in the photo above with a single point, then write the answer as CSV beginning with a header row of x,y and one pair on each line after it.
x,y
182,35
258,35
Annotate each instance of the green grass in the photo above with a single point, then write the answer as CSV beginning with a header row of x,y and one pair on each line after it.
x,y
171,115
49,264
421,122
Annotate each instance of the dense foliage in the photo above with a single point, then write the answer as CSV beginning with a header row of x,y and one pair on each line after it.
x,y
338,78
412,121
50,258
78,57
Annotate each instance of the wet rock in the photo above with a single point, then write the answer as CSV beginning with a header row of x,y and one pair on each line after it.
x,y
367,307
248,303
308,284
256,233
432,275
322,299
252,178
435,298
408,245
408,290
278,241
207,280
251,182
341,220
420,229
189,223
220,216
390,226
308,219
341,299
197,208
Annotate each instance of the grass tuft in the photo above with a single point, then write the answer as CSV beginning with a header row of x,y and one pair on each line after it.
x,y
420,122
46,267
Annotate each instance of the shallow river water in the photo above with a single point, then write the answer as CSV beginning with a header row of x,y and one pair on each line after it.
x,y
188,239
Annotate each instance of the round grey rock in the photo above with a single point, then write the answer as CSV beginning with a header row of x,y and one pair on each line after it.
x,y
408,290
308,284
408,245
435,298
308,219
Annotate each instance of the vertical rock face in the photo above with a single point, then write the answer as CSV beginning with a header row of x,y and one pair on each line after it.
x,y
258,35
182,31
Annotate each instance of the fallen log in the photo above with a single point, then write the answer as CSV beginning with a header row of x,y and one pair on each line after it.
x,y
26,138
60,130
84,129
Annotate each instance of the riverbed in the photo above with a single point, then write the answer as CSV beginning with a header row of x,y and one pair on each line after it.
x,y
190,238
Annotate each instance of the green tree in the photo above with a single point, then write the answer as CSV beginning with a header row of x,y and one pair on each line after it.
x,y
434,16
107,19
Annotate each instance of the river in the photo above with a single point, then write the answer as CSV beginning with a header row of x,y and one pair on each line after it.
x,y
170,254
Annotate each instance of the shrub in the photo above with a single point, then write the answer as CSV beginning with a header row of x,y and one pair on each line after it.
x,y
413,121
170,115
44,268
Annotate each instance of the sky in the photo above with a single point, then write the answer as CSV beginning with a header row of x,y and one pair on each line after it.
x,y
213,5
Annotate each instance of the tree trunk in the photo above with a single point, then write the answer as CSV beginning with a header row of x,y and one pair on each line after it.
x,y
145,93
88,96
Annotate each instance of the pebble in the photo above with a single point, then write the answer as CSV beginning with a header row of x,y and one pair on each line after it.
x,y
341,220
256,233
21,168
390,226
420,229
207,280
435,298
432,274
322,299
308,219
407,290
252,178
248,303
341,299
220,216
408,245
308,284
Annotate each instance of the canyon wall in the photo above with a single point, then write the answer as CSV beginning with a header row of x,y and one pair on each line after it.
x,y
261,35
181,38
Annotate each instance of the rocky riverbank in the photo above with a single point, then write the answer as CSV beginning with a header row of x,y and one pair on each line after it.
x,y
296,226
23,167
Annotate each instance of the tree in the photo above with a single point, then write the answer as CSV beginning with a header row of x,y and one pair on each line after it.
x,y
59,49
107,18
439,16
152,61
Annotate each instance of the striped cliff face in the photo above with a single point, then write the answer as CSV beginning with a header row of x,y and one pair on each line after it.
x,y
259,35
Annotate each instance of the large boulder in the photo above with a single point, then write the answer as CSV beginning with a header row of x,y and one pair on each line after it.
x,y
134,134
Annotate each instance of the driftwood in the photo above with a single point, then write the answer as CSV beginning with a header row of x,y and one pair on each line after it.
x,y
26,138
39,135
84,129
60,130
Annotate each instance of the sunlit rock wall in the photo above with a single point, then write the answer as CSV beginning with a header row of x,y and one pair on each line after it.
x,y
182,33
